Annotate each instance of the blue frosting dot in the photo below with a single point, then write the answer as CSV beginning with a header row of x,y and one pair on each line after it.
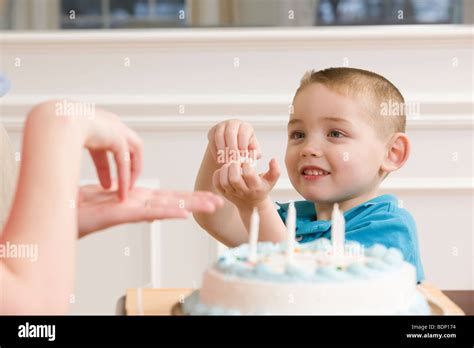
x,y
224,263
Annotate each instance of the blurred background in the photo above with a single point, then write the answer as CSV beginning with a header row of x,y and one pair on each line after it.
x,y
173,69
110,14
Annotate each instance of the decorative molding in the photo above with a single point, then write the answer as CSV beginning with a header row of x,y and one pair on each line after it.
x,y
260,122
261,38
147,103
264,111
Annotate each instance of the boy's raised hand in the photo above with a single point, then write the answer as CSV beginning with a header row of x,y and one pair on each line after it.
x,y
243,186
233,138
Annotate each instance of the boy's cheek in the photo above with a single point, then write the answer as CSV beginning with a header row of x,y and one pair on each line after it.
x,y
291,163
350,168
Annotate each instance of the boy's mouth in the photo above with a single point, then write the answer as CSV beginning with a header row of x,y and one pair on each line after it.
x,y
313,172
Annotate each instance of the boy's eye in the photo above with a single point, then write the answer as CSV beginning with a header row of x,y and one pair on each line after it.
x,y
335,134
296,135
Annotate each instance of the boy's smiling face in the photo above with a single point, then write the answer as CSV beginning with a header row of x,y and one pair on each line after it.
x,y
332,132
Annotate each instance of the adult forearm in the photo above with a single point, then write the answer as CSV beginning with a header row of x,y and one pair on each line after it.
x,y
43,215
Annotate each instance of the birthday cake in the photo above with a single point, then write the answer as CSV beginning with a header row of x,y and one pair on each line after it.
x,y
315,278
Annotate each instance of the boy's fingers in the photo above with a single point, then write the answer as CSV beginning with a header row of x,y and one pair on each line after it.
x,y
210,134
254,146
216,181
224,178
212,142
249,176
235,178
273,172
219,137
231,131
101,163
244,135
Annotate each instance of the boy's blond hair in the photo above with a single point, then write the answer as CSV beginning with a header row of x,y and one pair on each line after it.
x,y
7,175
376,92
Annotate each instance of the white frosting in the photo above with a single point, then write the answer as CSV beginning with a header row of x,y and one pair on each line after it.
x,y
317,282
388,294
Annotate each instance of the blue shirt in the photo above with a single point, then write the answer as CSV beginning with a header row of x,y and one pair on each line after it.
x,y
378,220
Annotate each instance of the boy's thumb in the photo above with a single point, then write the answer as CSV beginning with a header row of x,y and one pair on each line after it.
x,y
273,172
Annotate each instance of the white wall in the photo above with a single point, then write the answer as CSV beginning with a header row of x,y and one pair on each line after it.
x,y
196,68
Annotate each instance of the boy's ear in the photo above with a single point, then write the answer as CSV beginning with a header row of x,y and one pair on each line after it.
x,y
398,150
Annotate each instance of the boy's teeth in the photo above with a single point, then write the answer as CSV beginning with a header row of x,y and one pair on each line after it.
x,y
314,172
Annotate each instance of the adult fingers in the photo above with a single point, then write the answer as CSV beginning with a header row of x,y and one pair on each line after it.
x,y
122,161
136,146
101,163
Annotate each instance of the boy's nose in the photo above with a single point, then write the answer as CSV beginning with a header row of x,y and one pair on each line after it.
x,y
309,151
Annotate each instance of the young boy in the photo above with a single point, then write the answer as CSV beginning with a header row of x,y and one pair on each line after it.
x,y
342,143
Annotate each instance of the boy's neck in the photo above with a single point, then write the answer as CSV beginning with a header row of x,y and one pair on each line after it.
x,y
324,210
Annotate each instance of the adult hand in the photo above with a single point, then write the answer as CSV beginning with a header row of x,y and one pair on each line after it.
x,y
99,208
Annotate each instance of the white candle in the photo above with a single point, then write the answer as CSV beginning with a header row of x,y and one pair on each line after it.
x,y
253,237
338,228
290,226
